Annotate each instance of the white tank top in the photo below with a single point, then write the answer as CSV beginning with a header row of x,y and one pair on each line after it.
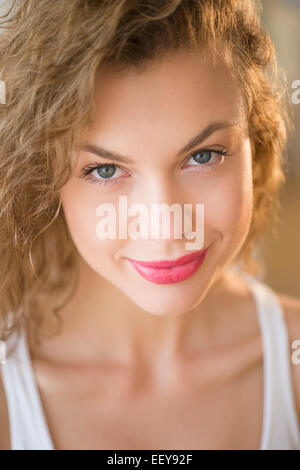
x,y
280,430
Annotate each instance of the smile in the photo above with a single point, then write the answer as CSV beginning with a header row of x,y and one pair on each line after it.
x,y
169,271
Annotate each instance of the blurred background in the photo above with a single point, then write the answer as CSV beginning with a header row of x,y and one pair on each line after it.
x,y
280,248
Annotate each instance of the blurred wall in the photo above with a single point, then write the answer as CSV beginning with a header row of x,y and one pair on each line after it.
x,y
280,248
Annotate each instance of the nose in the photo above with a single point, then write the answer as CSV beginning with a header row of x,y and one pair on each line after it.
x,y
165,207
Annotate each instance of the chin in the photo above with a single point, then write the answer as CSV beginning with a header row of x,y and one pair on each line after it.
x,y
168,300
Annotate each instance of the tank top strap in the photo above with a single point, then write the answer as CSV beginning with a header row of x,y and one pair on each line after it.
x,y
281,429
28,426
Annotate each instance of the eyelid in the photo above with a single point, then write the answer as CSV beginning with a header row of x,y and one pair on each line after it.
x,y
85,172
93,166
221,151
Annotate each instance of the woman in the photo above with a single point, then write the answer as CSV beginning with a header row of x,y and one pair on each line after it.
x,y
159,102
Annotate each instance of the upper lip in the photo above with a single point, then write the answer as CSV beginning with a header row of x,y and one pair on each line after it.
x,y
170,263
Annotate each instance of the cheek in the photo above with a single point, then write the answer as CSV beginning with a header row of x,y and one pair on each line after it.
x,y
229,206
80,212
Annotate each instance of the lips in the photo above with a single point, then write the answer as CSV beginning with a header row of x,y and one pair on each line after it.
x,y
170,271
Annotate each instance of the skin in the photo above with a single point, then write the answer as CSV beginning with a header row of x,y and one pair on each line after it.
x,y
135,358
149,118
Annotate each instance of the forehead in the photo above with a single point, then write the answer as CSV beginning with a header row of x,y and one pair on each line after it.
x,y
182,89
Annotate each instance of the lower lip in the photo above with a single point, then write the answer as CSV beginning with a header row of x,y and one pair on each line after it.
x,y
169,275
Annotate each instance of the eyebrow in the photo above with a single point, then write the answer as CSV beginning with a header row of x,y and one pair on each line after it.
x,y
204,134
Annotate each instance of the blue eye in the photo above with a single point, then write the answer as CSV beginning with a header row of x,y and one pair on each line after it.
x,y
207,157
103,173
110,173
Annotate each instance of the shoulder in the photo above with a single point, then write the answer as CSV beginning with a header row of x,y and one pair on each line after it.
x,y
291,310
4,419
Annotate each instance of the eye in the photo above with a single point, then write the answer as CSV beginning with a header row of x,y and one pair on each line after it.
x,y
207,158
102,174
110,173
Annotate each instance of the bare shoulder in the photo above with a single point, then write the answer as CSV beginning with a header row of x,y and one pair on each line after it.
x,y
291,309
4,419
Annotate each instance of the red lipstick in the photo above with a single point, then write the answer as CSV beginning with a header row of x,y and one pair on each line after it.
x,y
170,271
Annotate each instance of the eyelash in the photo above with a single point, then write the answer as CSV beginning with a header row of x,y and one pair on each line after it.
x,y
94,166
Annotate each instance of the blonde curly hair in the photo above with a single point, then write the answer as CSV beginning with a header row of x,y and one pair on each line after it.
x,y
49,55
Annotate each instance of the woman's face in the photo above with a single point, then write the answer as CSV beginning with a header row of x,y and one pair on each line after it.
x,y
148,118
